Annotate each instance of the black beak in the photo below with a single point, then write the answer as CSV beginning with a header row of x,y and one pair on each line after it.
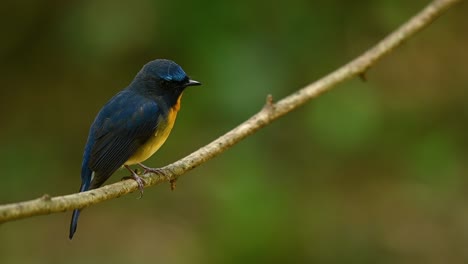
x,y
192,83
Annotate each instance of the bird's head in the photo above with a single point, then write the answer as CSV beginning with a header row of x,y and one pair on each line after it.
x,y
162,77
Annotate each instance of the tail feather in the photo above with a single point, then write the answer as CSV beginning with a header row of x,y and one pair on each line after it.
x,y
86,182
74,223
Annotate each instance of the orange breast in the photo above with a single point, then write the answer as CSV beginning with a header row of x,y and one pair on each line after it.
x,y
162,133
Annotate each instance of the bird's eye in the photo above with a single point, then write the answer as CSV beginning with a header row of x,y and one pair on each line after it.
x,y
164,83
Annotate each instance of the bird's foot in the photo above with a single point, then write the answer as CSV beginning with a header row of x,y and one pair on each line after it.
x,y
147,169
139,180
159,172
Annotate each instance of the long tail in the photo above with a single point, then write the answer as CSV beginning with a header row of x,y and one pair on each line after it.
x,y
85,183
74,223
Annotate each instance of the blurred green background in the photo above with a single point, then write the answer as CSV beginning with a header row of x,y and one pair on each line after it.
x,y
371,172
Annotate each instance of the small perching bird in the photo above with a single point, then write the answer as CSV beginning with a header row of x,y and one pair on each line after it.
x,y
133,125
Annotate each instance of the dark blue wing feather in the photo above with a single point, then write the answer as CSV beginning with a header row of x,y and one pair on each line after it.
x,y
124,124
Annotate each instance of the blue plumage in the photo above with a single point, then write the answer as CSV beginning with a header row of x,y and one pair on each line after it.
x,y
123,125
132,125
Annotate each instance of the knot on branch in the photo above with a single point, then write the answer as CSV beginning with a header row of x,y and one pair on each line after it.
x,y
269,105
46,197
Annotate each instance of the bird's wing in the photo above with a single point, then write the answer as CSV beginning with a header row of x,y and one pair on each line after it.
x,y
124,124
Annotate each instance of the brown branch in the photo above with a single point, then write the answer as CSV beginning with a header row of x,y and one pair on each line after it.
x,y
270,112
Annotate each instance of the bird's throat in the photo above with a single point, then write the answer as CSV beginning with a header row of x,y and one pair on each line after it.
x,y
176,106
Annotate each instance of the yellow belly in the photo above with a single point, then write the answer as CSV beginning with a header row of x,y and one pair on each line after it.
x,y
159,137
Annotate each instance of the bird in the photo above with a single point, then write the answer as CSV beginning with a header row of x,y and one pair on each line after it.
x,y
132,126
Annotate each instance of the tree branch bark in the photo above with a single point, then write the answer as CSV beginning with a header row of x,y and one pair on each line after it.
x,y
270,112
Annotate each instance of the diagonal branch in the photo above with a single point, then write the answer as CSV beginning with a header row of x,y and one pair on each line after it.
x,y
270,112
